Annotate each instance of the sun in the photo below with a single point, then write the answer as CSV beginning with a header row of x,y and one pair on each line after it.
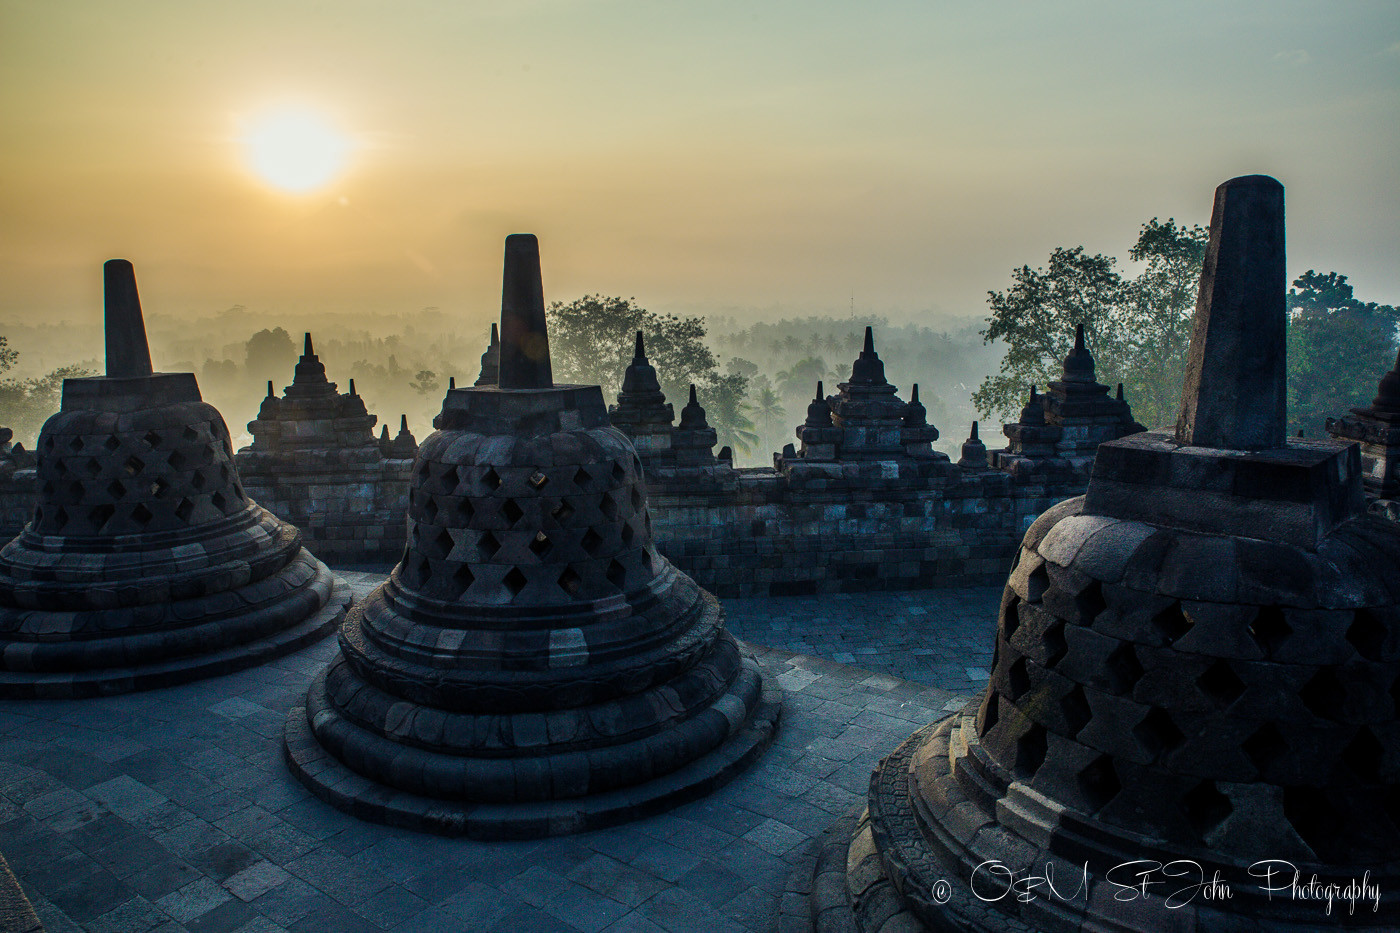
x,y
295,150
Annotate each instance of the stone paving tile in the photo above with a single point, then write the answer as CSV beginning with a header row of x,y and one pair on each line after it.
x,y
171,811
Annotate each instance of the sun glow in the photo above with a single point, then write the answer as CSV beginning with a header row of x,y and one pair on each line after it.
x,y
295,150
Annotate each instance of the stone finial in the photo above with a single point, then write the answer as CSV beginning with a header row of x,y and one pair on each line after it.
x,y
639,351
128,352
693,415
524,349
270,392
491,361
868,369
451,383
915,414
352,387
819,411
306,348
639,380
1387,400
1120,392
974,452
1234,394
310,372
1034,412
1079,362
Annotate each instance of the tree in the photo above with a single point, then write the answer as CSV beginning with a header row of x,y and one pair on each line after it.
x,y
1338,349
270,354
8,356
591,342
425,383
1138,329
26,404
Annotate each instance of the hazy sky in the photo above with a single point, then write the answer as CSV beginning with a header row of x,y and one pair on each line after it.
x,y
699,156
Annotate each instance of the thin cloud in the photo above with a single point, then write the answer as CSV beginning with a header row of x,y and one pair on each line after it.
x,y
1295,57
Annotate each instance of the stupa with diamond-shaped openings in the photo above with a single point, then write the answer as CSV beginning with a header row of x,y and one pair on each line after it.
x,y
1196,677
145,563
532,666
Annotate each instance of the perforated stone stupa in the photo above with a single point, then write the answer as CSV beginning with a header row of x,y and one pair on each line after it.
x,y
145,564
1197,665
532,666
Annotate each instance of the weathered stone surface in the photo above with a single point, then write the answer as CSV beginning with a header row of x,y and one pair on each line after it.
x,y
532,666
146,563
1233,397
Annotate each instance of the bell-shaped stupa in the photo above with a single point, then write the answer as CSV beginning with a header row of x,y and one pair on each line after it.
x,y
145,563
1193,718
532,666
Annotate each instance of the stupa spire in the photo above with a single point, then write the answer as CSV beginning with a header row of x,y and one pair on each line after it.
x,y
524,334
128,352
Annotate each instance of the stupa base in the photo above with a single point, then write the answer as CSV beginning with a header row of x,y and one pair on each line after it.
x,y
335,783
169,672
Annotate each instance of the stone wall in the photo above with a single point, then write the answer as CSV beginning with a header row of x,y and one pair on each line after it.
x,y
349,513
18,492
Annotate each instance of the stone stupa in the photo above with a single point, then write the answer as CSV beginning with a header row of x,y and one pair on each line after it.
x,y
532,666
1196,680
145,563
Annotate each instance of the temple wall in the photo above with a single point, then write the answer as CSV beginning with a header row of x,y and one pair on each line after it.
x,y
355,515
18,491
765,538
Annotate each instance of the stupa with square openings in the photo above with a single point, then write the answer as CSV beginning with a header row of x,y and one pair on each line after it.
x,y
1197,665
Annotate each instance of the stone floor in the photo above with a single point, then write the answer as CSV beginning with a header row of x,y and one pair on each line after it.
x,y
171,810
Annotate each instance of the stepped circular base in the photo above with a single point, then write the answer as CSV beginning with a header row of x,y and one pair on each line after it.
x,y
338,785
880,870
168,672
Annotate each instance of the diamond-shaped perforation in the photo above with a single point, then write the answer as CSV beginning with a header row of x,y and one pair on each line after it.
x,y
1325,695
184,510
430,510
152,439
443,541
1367,635
1364,756
1037,582
176,460
1074,706
75,444
590,542
637,501
1269,628
1172,623
92,466
423,572
141,515
61,467
1123,669
1018,680
1011,619
989,714
1055,645
60,518
133,465
463,511
189,435
112,443
570,581
608,507
619,473
1221,683
198,480
425,472
115,489
447,482
627,534
491,479
1156,733
617,574
1099,783
562,511
1205,807
538,480
1266,746
100,515
512,511
583,479
460,580
75,490
487,546
158,488
219,502
1030,750
1090,602
514,582
540,545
